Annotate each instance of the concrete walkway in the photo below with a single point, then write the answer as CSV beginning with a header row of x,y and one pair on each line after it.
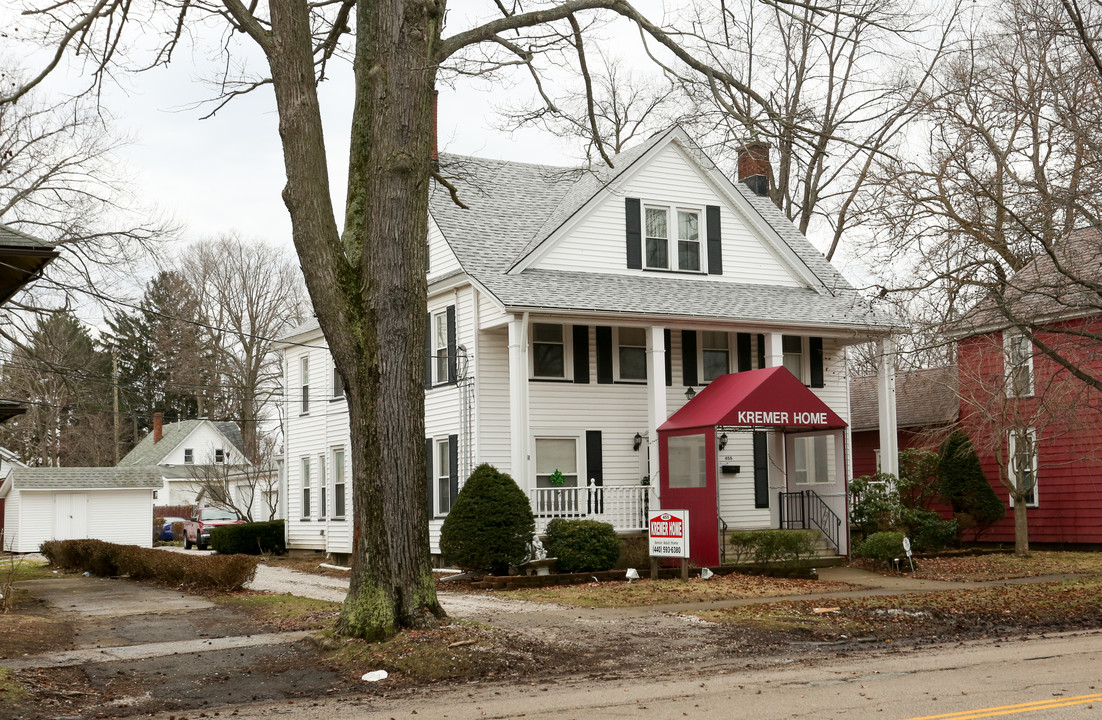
x,y
150,650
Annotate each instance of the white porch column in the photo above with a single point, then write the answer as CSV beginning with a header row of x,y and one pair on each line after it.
x,y
656,395
774,352
518,399
885,400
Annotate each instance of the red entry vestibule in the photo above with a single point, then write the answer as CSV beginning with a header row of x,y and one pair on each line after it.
x,y
770,398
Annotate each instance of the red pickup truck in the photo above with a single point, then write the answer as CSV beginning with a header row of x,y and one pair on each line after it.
x,y
197,529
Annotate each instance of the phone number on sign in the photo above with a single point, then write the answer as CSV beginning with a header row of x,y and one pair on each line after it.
x,y
666,550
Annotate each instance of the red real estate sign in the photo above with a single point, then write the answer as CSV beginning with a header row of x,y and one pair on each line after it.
x,y
669,533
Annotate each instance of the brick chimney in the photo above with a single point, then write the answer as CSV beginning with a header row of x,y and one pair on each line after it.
x,y
753,167
158,420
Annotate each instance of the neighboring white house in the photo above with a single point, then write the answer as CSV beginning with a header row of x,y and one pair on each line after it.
x,y
184,453
110,504
570,313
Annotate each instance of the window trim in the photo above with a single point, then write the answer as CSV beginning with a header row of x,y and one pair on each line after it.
x,y
304,484
339,480
700,353
805,357
219,456
579,456
1011,447
567,353
1009,369
673,239
304,383
439,353
616,356
441,474
323,480
189,456
338,382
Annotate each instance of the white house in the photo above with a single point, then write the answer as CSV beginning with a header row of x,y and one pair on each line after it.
x,y
110,504
571,313
184,453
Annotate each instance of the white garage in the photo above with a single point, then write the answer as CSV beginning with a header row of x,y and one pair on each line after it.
x,y
111,504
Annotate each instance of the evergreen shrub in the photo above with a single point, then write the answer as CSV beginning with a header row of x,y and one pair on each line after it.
x,y
772,547
963,486
883,546
255,538
582,545
490,524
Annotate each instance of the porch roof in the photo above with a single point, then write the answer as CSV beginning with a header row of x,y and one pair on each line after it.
x,y
770,397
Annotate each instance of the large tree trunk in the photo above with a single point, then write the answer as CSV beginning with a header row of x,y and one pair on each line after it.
x,y
368,287
1021,528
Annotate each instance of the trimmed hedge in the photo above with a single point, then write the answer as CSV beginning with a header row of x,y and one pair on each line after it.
x,y
255,538
772,547
490,525
582,545
226,573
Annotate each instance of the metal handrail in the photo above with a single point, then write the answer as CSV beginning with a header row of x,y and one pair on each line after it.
x,y
804,510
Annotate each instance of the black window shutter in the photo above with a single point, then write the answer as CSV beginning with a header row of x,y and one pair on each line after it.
x,y
761,470
429,506
669,356
604,354
715,242
453,469
742,343
428,351
688,356
594,469
453,371
633,215
761,351
581,353
815,344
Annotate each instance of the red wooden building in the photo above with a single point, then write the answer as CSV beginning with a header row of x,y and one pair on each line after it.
x,y
1029,418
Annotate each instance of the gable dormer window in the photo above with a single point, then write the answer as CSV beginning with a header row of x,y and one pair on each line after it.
x,y
685,224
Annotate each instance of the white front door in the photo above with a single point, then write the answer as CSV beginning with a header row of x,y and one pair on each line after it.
x,y
70,516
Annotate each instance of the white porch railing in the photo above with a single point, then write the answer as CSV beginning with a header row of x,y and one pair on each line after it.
x,y
622,506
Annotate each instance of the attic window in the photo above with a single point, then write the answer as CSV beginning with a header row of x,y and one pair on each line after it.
x,y
686,223
189,456
219,456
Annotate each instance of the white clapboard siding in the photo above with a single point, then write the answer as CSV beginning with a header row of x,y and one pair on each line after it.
x,y
736,492
124,517
442,260
13,505
494,424
670,178
36,520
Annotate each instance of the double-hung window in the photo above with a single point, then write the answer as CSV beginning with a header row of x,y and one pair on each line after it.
x,y
557,470
792,347
814,459
305,487
548,351
443,477
685,223
338,483
1022,451
323,485
440,347
189,456
338,384
631,355
219,456
715,355
304,377
1018,355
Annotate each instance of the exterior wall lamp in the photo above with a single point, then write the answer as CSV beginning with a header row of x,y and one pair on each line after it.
x,y
690,393
637,440
723,441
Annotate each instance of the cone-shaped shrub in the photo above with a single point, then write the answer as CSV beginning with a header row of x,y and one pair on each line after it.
x,y
489,526
963,485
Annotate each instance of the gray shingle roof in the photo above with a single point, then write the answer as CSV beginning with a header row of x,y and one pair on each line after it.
x,y
148,453
922,398
85,478
515,206
10,237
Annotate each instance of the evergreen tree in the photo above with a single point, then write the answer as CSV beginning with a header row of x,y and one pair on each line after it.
x,y
963,486
66,384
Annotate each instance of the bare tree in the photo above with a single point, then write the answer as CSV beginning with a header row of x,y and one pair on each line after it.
x,y
60,182
247,294
367,280
250,489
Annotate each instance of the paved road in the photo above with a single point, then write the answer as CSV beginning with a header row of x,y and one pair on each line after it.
x,y
1057,677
